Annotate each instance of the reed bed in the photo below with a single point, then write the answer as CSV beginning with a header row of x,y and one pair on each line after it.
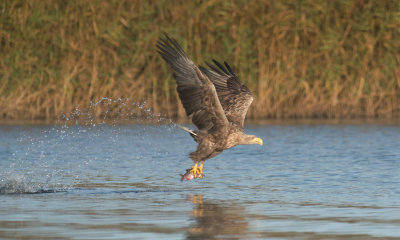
x,y
300,58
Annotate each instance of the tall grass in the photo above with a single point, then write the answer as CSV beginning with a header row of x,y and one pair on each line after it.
x,y
300,58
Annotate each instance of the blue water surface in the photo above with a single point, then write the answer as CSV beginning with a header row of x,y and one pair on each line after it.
x,y
308,181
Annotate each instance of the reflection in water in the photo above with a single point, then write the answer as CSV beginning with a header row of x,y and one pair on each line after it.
x,y
214,220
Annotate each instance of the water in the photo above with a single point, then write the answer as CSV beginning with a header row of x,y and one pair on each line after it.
x,y
308,181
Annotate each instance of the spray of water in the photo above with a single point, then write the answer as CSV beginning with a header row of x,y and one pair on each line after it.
x,y
113,111
57,157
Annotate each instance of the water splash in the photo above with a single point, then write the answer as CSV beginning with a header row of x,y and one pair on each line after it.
x,y
114,111
57,158
19,185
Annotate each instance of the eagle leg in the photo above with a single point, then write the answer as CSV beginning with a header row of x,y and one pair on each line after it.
x,y
197,170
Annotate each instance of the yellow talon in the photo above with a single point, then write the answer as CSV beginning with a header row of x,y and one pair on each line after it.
x,y
201,170
195,170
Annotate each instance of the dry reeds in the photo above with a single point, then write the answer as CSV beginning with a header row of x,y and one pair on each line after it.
x,y
330,59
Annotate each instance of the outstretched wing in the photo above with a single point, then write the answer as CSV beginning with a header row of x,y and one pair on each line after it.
x,y
235,97
196,91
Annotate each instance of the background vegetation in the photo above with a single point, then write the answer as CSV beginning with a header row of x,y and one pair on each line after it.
x,y
300,58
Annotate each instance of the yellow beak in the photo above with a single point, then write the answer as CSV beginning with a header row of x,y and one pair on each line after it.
x,y
258,141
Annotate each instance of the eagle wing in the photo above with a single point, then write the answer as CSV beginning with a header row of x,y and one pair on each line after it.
x,y
234,96
197,93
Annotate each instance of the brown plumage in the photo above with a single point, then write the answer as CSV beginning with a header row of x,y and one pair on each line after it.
x,y
215,99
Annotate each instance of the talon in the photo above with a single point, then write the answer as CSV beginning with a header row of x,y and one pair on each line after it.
x,y
201,170
195,170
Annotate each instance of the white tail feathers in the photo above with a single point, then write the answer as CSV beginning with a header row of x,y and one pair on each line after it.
x,y
187,129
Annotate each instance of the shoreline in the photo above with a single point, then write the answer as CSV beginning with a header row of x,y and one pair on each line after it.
x,y
249,122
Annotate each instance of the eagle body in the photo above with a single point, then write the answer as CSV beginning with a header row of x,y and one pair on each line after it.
x,y
214,98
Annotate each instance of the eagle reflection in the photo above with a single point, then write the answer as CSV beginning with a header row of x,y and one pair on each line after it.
x,y
215,221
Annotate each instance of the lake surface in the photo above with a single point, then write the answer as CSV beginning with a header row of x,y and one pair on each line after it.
x,y
308,181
